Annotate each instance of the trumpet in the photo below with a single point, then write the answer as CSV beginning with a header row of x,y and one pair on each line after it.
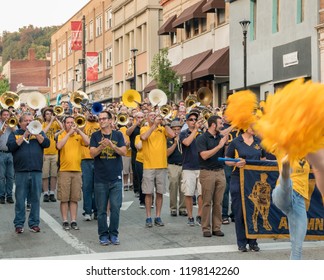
x,y
58,110
80,121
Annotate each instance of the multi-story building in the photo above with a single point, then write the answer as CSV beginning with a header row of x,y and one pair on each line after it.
x,y
282,43
196,33
112,28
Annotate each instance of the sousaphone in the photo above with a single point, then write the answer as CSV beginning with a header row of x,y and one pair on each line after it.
x,y
131,98
77,98
157,97
9,98
204,96
36,100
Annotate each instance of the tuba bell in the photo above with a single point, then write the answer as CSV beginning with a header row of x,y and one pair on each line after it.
x,y
131,98
166,111
80,121
9,98
122,119
157,97
204,96
36,100
77,98
58,110
190,100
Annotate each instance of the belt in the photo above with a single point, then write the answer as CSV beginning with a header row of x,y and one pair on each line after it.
x,y
210,169
179,164
1,151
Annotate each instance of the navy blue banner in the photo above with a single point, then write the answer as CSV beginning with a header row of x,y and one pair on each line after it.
x,y
262,218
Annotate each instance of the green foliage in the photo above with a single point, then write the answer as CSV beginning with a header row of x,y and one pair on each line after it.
x,y
4,85
15,45
163,74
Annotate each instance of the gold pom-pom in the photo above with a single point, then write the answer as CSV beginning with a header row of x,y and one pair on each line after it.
x,y
293,119
240,110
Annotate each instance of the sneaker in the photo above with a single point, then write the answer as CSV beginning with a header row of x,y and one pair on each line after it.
x,y
46,198
74,225
2,200
103,240
142,205
254,248
198,220
173,212
10,200
66,226
218,233
225,221
34,229
52,197
114,240
158,222
87,217
148,222
19,230
191,222
28,207
183,213
242,249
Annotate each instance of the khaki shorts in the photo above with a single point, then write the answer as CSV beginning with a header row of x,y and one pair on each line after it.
x,y
69,186
127,165
154,177
190,182
49,166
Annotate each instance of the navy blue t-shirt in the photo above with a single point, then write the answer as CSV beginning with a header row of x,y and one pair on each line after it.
x,y
190,159
176,156
239,149
108,165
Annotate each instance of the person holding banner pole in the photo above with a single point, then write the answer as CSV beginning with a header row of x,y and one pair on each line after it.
x,y
244,147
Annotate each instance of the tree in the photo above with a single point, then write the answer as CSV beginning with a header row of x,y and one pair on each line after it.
x,y
4,85
166,78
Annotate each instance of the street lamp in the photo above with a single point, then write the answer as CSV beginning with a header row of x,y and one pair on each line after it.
x,y
134,51
245,24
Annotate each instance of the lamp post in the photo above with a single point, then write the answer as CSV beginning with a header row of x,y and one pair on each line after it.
x,y
244,24
134,51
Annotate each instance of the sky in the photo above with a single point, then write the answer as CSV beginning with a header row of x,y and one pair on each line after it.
x,y
39,13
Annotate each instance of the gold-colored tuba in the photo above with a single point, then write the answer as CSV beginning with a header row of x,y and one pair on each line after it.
x,y
204,96
131,98
190,100
77,98
9,98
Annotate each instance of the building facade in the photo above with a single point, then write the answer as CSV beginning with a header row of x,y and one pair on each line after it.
x,y
282,43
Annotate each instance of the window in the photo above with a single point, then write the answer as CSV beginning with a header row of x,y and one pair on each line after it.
x,y
60,82
141,38
300,11
86,34
53,57
173,37
99,61
64,80
64,51
253,19
203,24
91,30
108,58
78,73
275,15
108,19
188,29
69,46
59,53
70,75
98,25
54,84
220,16
195,26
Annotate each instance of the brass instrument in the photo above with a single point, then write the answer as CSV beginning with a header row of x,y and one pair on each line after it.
x,y
206,114
157,97
77,98
122,119
34,128
36,100
190,100
58,110
80,121
166,111
131,98
8,99
38,118
11,122
204,96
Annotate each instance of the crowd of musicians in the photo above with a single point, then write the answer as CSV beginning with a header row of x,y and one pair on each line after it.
x,y
75,151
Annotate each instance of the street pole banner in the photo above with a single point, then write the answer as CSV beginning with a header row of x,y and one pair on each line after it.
x,y
92,66
262,218
76,38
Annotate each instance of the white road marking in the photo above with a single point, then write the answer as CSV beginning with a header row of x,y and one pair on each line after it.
x,y
126,205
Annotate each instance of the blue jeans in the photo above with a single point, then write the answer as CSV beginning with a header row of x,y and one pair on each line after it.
x,y
292,204
28,183
112,192
6,175
89,204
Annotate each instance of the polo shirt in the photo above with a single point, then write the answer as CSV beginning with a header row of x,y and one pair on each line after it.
x,y
189,153
176,156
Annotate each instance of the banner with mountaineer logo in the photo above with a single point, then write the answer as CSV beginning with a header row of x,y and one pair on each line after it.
x,y
76,35
262,218
92,66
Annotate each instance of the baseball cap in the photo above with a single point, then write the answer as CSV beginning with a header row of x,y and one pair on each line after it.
x,y
193,113
176,124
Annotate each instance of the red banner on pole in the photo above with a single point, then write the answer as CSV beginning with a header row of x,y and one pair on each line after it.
x,y
92,66
76,38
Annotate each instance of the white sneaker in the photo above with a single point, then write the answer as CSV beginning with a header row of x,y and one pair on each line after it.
x,y
87,217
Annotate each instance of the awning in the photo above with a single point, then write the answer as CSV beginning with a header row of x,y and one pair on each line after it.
x,y
185,68
193,11
151,85
166,27
211,5
217,64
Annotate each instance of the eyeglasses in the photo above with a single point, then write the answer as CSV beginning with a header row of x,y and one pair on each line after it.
x,y
192,120
102,119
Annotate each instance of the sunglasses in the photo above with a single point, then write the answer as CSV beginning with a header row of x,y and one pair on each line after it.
x,y
192,120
